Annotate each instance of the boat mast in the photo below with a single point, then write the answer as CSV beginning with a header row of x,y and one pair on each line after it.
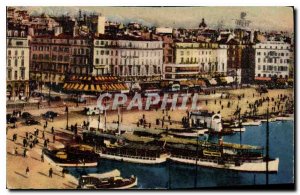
x,y
119,121
105,115
267,148
196,163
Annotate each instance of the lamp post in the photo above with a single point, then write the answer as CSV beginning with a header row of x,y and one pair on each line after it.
x,y
50,85
67,111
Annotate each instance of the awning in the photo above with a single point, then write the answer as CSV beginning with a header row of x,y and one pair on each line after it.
x,y
213,81
263,78
229,79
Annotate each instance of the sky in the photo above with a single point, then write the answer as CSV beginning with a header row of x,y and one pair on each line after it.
x,y
263,18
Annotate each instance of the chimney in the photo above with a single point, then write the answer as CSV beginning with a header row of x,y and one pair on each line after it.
x,y
58,30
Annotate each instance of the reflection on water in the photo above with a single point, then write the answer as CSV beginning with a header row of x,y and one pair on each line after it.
x,y
183,176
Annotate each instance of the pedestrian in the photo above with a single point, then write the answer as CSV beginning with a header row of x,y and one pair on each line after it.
x,y
24,152
43,135
46,123
42,157
16,151
24,142
63,172
45,144
54,138
26,135
52,130
50,172
27,170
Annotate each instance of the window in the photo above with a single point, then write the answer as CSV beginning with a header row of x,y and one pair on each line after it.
x,y
19,43
16,62
97,61
102,52
258,67
22,74
258,60
9,74
22,62
22,52
16,75
9,52
16,52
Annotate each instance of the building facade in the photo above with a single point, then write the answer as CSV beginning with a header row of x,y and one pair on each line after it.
x,y
50,59
210,57
272,59
128,58
17,64
81,58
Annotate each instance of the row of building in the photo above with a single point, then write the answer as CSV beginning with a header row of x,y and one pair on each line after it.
x,y
41,50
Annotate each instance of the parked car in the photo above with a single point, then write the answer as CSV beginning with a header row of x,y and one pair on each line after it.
x,y
91,111
30,121
10,118
26,115
50,114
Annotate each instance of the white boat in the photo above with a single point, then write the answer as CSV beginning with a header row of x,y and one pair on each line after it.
x,y
108,180
94,164
270,120
252,123
254,166
136,159
237,129
284,118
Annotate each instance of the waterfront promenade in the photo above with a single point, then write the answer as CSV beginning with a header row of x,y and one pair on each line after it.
x,y
37,177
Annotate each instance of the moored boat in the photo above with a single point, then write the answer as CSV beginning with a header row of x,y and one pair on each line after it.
x,y
109,180
73,156
252,123
247,166
135,153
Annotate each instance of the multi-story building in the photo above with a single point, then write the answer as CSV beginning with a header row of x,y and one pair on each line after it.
x,y
128,57
17,64
210,57
50,58
234,58
177,72
81,59
168,47
272,59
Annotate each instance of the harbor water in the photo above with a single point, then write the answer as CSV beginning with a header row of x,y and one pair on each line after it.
x,y
171,175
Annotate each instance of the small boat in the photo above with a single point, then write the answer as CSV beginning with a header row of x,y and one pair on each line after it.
x,y
252,123
108,180
73,156
283,118
238,129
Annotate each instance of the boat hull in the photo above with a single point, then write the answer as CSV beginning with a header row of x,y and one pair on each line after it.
x,y
245,167
135,160
253,123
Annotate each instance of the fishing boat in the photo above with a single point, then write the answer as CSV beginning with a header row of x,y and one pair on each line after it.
x,y
73,156
108,180
135,153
